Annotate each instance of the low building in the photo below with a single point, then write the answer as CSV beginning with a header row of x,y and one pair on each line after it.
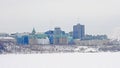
x,y
38,39
63,41
43,41
91,42
7,40
33,41
60,40
95,37
4,35
22,40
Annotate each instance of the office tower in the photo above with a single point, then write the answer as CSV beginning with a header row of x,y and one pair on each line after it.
x,y
78,31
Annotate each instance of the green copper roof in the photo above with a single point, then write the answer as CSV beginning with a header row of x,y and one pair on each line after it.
x,y
38,36
33,31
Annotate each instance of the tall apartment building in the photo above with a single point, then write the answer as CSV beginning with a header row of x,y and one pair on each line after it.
x,y
78,31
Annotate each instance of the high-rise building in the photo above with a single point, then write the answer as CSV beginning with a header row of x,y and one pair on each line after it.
x,y
59,37
78,31
57,31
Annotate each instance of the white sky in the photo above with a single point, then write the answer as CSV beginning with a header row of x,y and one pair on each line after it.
x,y
98,16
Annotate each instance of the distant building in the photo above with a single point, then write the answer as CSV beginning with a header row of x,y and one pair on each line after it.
x,y
59,37
19,34
4,35
38,39
91,42
63,41
95,37
43,41
50,34
60,40
70,34
78,31
33,41
22,39
7,40
70,40
58,31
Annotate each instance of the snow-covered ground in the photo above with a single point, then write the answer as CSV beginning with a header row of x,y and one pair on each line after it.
x,y
61,60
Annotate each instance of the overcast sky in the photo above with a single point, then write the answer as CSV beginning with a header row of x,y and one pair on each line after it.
x,y
98,16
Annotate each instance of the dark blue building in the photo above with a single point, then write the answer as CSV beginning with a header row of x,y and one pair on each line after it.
x,y
23,40
78,31
50,34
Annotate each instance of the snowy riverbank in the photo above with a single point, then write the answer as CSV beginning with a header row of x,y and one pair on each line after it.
x,y
61,60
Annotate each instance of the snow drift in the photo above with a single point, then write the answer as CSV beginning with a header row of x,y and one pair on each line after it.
x,y
68,60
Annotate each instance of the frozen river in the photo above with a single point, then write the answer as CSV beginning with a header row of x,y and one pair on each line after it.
x,y
61,60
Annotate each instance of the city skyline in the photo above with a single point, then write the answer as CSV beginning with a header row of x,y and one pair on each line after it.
x,y
99,17
59,33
